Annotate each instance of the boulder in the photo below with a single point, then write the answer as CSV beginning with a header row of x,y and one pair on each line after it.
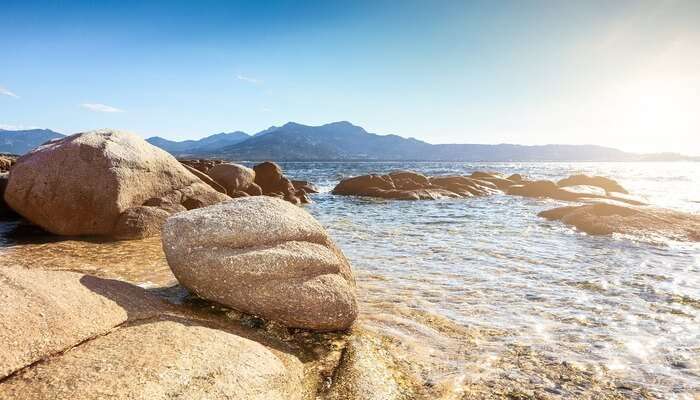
x,y
263,256
359,185
254,190
607,184
605,219
515,178
46,312
233,177
167,358
268,175
201,165
305,186
206,179
81,184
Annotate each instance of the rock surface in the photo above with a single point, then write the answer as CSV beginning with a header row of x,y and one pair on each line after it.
x,y
263,256
46,312
605,219
81,184
164,359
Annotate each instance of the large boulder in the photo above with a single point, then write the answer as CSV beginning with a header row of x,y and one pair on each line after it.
x,y
607,184
82,184
263,256
205,178
233,177
46,312
167,358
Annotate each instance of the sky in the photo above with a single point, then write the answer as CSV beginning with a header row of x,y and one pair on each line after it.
x,y
619,73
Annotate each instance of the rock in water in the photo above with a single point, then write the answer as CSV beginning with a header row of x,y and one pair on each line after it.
x,y
605,219
82,184
263,256
607,184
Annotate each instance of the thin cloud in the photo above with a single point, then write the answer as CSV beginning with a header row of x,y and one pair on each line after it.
x,y
6,92
97,107
248,79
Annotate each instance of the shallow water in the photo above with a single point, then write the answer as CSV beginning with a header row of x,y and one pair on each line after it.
x,y
460,282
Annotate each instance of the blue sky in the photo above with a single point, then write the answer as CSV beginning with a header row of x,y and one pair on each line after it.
x,y
622,73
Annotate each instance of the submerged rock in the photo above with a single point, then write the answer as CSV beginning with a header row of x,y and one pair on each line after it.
x,y
369,371
82,184
263,256
46,312
605,219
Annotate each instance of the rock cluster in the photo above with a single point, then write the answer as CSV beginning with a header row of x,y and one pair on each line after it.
x,y
104,183
263,256
6,162
409,185
265,178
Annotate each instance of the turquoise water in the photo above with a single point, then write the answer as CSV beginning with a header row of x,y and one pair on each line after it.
x,y
621,304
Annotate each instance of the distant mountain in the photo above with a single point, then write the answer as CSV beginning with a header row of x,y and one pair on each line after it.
x,y
345,141
22,141
193,147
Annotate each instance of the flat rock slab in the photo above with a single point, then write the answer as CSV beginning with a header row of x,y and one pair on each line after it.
x,y
47,312
170,358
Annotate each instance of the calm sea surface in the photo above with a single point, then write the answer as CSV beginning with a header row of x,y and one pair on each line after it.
x,y
624,306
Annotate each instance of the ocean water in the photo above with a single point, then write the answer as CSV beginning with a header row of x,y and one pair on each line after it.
x,y
461,285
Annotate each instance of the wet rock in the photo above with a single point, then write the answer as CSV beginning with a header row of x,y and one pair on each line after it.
x,y
263,256
605,219
544,188
81,184
607,184
305,186
167,358
515,178
409,185
497,179
46,312
206,179
359,185
233,177
369,371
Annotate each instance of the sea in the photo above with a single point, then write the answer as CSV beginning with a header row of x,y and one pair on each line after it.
x,y
482,291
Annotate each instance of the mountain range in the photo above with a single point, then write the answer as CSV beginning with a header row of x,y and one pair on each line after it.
x,y
343,141
20,142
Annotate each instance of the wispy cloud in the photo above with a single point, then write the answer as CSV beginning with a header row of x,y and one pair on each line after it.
x,y
97,107
248,79
6,92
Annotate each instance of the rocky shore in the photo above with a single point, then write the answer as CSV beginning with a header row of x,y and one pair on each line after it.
x,y
265,305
